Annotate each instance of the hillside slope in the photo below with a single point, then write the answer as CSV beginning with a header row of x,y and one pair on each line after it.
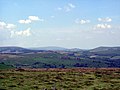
x,y
101,57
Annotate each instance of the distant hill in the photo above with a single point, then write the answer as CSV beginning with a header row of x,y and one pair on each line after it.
x,y
53,48
13,49
75,49
106,50
57,57
98,49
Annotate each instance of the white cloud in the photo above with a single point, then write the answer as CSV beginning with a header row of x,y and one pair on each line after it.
x,y
102,26
67,7
10,26
107,19
78,21
71,5
25,21
30,20
4,25
21,33
10,31
34,18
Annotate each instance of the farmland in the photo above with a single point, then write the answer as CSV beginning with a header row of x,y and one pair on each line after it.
x,y
101,57
60,79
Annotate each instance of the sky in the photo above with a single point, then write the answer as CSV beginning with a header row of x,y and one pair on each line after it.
x,y
65,23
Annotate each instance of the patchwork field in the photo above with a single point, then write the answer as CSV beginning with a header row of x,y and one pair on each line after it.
x,y
60,79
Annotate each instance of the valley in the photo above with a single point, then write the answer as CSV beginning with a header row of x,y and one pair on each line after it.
x,y
101,57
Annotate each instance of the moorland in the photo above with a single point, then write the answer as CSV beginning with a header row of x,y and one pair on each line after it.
x,y
60,79
59,69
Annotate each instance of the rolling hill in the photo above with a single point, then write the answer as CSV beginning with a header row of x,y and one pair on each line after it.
x,y
13,50
101,57
106,51
53,48
16,50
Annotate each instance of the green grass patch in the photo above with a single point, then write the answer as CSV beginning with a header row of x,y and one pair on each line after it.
x,y
59,80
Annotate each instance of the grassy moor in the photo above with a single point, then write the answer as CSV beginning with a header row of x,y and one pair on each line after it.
x,y
60,79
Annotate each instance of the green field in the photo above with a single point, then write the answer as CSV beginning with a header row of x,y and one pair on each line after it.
x,y
3,66
60,79
54,60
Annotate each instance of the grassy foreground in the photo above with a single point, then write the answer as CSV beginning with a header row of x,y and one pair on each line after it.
x,y
60,79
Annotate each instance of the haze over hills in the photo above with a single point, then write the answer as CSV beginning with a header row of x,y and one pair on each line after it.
x,y
102,48
55,48
14,49
49,48
106,51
